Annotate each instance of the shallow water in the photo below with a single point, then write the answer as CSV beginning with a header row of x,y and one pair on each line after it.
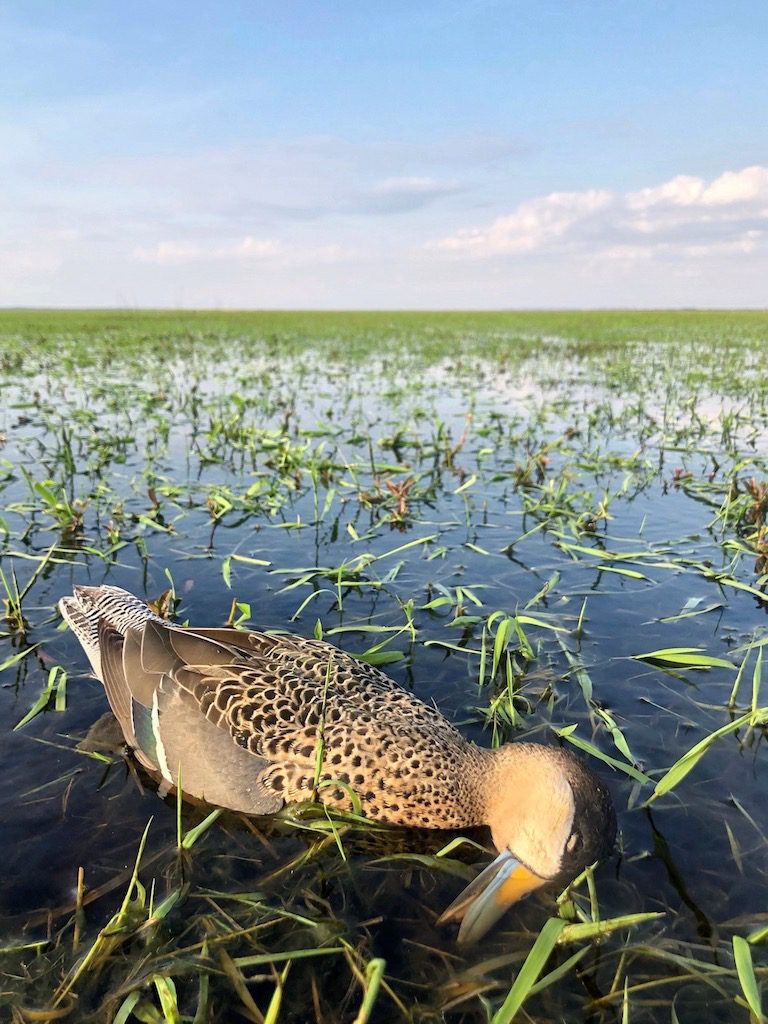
x,y
511,459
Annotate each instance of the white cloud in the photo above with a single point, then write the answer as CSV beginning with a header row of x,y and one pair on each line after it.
x,y
274,254
174,252
685,216
744,244
534,224
403,194
412,186
730,189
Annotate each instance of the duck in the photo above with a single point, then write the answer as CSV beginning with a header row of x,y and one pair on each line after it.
x,y
252,721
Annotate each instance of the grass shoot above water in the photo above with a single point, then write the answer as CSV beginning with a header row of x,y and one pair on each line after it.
x,y
552,525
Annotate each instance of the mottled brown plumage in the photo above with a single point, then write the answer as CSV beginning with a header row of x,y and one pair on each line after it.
x,y
251,721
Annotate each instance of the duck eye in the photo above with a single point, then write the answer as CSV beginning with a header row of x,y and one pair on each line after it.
x,y
574,842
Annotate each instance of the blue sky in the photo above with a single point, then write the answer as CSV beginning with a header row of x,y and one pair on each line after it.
x,y
345,155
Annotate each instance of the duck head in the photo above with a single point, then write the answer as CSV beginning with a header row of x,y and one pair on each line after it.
x,y
550,817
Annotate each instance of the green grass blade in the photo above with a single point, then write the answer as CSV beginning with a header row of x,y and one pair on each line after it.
x,y
742,954
568,733
374,972
632,573
675,775
126,1007
166,992
194,833
757,679
587,930
562,971
44,699
275,1003
530,971
684,657
259,959
16,658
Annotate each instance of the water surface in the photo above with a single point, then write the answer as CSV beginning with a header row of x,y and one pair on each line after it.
x,y
530,469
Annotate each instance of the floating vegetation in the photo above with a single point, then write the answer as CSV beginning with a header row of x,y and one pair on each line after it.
x,y
552,525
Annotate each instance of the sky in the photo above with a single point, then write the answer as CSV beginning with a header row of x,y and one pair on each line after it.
x,y
466,154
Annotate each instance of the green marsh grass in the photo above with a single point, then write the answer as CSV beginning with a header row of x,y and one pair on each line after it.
x,y
551,524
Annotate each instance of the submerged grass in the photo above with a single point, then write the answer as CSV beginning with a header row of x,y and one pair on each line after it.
x,y
578,503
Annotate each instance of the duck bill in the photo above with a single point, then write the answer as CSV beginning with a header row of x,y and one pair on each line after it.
x,y
481,904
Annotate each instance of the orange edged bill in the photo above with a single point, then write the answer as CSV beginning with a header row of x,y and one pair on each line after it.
x,y
482,903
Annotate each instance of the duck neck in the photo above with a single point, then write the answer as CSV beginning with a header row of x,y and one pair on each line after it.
x,y
528,803
465,793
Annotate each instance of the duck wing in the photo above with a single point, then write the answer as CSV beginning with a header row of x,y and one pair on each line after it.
x,y
172,712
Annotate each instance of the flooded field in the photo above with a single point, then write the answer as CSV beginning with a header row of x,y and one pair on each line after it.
x,y
550,525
